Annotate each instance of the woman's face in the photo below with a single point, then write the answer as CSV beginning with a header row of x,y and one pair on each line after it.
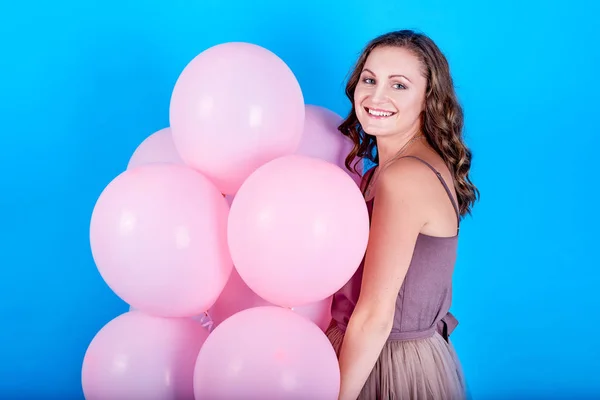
x,y
390,94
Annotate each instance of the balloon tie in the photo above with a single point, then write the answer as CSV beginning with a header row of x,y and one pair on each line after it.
x,y
207,322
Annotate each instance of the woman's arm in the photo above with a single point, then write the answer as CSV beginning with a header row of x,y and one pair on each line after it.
x,y
397,219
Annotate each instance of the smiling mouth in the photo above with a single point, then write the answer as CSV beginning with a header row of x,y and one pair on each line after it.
x,y
379,113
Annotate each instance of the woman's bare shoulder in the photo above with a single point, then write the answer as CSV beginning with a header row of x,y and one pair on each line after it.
x,y
412,184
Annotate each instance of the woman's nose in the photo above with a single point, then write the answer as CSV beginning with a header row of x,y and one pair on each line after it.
x,y
379,94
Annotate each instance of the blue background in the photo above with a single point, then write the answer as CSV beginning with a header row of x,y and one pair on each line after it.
x,y
82,83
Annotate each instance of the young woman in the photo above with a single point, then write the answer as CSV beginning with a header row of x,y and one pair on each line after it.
x,y
391,321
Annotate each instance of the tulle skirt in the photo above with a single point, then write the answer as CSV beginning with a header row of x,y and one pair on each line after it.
x,y
422,369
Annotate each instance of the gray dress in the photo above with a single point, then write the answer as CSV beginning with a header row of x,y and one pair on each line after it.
x,y
418,360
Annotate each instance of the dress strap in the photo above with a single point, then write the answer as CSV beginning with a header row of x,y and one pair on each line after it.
x,y
441,178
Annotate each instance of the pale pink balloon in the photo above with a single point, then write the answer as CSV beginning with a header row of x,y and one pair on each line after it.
x,y
234,107
267,353
322,139
298,230
318,312
237,296
159,239
156,148
138,356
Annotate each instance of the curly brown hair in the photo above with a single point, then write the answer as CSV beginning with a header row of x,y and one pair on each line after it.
x,y
441,120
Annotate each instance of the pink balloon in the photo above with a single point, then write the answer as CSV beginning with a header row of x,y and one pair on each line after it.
x,y
237,296
235,107
158,237
298,230
156,148
138,356
322,139
267,353
319,312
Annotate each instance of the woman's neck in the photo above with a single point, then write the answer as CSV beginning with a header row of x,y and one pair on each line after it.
x,y
389,147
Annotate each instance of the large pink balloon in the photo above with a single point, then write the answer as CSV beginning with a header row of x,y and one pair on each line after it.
x,y
322,139
156,148
235,107
298,230
138,356
267,353
158,237
318,312
237,296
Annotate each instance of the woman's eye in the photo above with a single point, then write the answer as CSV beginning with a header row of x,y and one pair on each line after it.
x,y
369,81
399,86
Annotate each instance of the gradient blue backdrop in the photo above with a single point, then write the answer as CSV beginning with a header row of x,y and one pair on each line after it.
x,y
82,83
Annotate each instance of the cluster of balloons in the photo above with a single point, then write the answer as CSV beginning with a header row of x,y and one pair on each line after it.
x,y
240,210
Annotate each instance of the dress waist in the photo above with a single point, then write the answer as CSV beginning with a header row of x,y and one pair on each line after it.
x,y
445,326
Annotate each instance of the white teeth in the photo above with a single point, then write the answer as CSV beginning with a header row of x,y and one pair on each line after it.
x,y
379,113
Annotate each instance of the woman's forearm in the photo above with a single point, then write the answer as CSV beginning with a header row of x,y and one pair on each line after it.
x,y
363,341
